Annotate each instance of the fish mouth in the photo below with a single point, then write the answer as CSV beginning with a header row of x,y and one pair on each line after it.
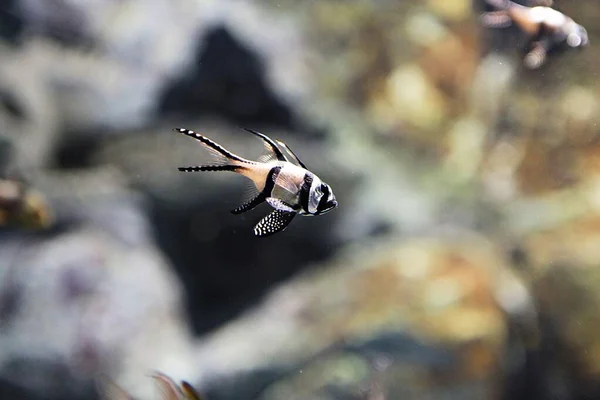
x,y
332,204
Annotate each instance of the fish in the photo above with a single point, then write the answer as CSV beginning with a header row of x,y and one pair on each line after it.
x,y
285,183
169,390
547,29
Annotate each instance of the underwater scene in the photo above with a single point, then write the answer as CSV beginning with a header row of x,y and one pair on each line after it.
x,y
159,160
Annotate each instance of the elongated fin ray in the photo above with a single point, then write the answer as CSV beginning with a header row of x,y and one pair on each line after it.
x,y
197,168
294,156
270,146
222,155
190,392
167,386
275,222
249,205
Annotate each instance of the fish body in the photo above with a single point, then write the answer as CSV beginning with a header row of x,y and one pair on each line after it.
x,y
288,187
547,28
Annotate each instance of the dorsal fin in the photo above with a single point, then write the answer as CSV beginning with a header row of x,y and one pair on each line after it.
x,y
294,156
274,153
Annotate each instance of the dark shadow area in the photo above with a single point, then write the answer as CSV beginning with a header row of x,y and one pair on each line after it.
x,y
76,151
65,25
228,80
226,269
11,23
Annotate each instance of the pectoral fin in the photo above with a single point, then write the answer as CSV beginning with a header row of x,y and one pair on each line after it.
x,y
249,205
275,222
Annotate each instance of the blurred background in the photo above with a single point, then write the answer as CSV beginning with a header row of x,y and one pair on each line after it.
x,y
463,260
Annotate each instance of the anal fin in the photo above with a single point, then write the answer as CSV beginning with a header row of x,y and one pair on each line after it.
x,y
249,205
275,222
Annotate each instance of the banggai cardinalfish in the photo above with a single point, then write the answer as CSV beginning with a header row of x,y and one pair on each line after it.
x,y
287,186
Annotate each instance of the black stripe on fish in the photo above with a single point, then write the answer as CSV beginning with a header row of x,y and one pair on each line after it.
x,y
217,147
271,178
271,144
262,196
305,191
323,199
232,168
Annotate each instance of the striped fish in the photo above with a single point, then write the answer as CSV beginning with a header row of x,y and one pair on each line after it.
x,y
287,186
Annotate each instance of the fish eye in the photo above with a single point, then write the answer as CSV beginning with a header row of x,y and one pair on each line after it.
x,y
324,189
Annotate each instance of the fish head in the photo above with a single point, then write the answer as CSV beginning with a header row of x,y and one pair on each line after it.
x,y
322,199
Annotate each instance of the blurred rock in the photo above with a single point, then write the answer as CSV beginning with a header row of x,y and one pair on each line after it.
x,y
562,267
540,169
142,60
431,308
28,116
91,295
